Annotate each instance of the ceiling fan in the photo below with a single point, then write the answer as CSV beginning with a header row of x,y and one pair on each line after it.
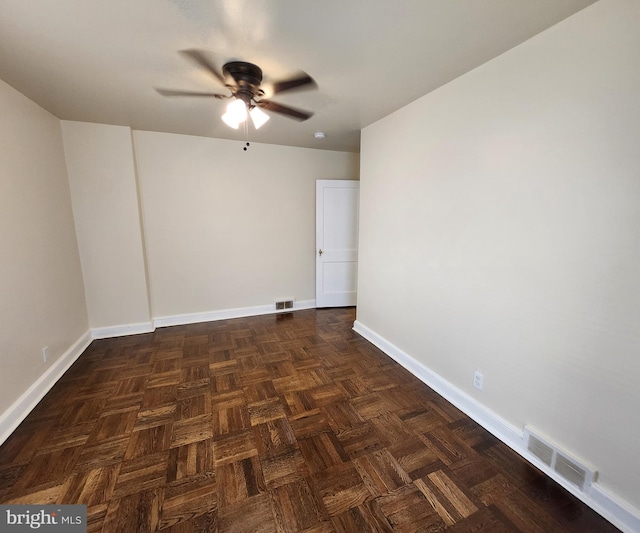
x,y
243,80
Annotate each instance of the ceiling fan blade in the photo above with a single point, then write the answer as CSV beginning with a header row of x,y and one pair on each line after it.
x,y
201,59
284,110
299,81
173,92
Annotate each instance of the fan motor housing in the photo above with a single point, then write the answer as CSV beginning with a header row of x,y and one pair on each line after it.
x,y
243,73
247,77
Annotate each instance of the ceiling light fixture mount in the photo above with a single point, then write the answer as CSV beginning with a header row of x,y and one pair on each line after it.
x,y
247,78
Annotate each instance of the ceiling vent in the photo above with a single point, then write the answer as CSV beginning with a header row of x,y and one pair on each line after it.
x,y
560,462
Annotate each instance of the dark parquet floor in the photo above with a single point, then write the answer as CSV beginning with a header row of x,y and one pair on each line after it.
x,y
279,423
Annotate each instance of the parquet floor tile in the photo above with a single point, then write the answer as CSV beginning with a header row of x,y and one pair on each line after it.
x,y
187,498
341,488
322,451
92,487
284,423
366,517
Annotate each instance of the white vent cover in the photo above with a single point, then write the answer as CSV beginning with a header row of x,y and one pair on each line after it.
x,y
558,460
540,450
569,470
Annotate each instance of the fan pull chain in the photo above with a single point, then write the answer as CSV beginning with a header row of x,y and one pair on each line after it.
x,y
246,135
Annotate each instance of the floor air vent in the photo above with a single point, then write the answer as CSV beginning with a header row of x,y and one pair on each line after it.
x,y
557,460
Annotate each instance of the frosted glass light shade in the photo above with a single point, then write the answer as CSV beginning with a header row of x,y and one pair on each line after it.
x,y
258,117
236,113
228,120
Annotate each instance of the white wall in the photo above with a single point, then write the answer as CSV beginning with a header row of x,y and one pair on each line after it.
x,y
227,229
216,228
507,208
41,291
102,178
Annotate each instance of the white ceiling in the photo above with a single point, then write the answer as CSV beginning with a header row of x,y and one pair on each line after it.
x,y
99,61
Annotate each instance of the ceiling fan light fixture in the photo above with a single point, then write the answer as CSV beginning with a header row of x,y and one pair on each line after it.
x,y
258,117
243,80
236,113
228,120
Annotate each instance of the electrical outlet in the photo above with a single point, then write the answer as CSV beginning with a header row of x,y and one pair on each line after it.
x,y
45,353
478,379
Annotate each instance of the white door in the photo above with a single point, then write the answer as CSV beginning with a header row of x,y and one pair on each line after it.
x,y
336,242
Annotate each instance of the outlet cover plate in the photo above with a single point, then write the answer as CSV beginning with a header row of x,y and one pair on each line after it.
x,y
478,380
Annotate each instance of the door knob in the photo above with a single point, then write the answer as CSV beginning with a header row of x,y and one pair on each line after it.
x,y
320,252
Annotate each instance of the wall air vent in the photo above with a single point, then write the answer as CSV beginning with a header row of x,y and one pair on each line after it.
x,y
540,450
560,462
571,471
284,304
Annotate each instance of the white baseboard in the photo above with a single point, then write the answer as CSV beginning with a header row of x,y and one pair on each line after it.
x,y
120,331
620,513
193,318
224,314
12,417
616,510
